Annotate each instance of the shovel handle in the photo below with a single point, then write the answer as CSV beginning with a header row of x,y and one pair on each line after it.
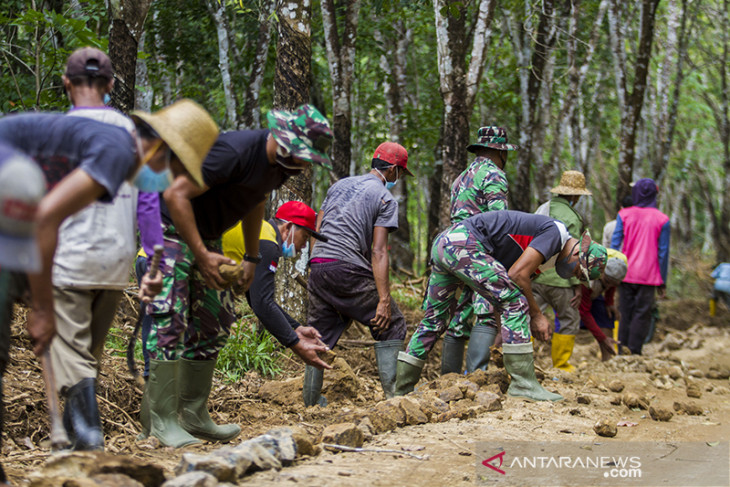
x,y
59,438
155,262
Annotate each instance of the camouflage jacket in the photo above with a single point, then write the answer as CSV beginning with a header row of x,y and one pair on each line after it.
x,y
481,187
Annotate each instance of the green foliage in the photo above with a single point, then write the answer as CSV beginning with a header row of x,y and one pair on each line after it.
x,y
248,349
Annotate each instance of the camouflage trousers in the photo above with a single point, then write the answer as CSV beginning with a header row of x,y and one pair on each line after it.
x,y
459,259
189,319
470,304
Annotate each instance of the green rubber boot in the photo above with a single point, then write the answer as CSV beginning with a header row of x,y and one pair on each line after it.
x,y
196,379
312,387
386,356
452,355
520,364
477,354
162,398
408,373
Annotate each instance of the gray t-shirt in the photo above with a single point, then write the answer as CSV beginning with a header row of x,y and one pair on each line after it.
x,y
352,208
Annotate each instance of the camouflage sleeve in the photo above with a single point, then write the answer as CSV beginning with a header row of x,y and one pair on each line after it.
x,y
494,189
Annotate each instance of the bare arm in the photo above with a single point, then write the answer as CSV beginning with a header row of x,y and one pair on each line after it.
x,y
251,225
73,193
177,197
318,225
381,264
520,273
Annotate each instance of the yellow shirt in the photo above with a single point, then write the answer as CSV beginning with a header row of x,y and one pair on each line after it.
x,y
234,245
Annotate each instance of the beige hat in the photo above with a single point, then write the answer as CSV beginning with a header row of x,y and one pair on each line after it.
x,y
187,129
571,182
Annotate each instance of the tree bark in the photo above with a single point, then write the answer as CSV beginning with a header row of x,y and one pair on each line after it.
x,y
127,22
291,89
250,117
144,92
218,11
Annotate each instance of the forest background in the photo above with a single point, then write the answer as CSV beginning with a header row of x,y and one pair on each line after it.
x,y
618,89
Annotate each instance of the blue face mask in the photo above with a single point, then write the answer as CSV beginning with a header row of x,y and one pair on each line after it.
x,y
389,185
149,181
287,248
107,99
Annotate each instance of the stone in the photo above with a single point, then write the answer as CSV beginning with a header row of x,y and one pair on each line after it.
x,y
459,413
285,443
305,442
366,426
346,434
499,377
581,399
192,479
84,465
340,382
675,372
688,408
616,386
468,388
490,400
284,392
414,413
392,407
696,373
431,405
721,390
617,400
221,464
633,401
714,373
693,390
479,377
450,394
672,342
605,428
660,413
381,422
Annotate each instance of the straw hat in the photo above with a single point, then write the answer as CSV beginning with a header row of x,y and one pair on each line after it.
x,y
188,129
571,182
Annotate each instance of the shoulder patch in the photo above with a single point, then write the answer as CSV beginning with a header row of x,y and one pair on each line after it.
x,y
273,266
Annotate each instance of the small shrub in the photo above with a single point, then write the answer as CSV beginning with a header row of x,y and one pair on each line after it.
x,y
248,349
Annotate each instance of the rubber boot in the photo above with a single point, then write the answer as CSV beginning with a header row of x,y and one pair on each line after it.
x,y
452,355
312,387
81,417
162,398
562,349
408,373
195,381
386,356
477,354
520,365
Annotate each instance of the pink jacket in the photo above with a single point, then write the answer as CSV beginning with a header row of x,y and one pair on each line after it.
x,y
645,236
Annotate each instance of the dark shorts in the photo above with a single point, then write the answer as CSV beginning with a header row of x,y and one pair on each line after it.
x,y
13,286
340,292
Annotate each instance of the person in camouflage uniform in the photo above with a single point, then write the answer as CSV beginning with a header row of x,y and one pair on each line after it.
x,y
563,295
480,188
193,315
496,254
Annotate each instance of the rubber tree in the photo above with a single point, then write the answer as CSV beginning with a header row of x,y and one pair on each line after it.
x,y
127,19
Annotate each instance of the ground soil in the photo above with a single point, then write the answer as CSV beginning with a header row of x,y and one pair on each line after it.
x,y
688,344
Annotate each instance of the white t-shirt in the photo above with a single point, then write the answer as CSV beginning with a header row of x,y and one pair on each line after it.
x,y
96,246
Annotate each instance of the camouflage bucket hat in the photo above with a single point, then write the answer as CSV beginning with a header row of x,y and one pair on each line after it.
x,y
592,258
305,133
492,138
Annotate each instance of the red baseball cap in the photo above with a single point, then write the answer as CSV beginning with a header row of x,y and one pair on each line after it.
x,y
302,215
394,154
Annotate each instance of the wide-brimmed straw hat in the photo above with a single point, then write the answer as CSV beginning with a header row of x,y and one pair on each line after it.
x,y
187,129
571,183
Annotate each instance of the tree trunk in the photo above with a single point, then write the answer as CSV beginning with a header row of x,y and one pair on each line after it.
x,y
291,89
127,22
250,117
218,11
144,92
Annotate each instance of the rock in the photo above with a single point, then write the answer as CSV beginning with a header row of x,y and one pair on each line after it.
x,y
192,479
490,400
675,372
693,390
453,393
468,388
346,434
616,386
385,417
414,413
285,444
499,377
366,426
392,407
67,466
671,342
717,373
444,381
688,408
305,443
261,456
617,400
697,373
430,404
633,400
286,392
496,356
459,413
721,390
340,382
605,428
479,377
660,413
113,480
494,389
581,399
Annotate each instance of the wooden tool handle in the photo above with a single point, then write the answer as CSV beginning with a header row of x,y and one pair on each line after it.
x,y
155,263
59,438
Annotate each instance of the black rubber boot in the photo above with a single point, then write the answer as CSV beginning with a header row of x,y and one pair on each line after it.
x,y
312,387
452,355
477,354
386,356
81,417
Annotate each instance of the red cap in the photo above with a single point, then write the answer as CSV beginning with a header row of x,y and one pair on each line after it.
x,y
302,215
394,154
